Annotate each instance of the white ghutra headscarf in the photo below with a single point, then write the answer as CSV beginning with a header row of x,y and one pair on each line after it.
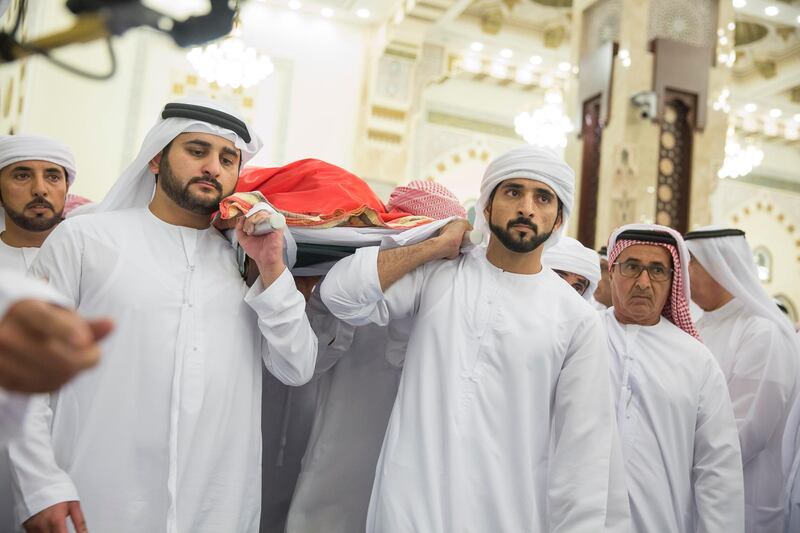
x,y
528,162
16,148
570,255
136,185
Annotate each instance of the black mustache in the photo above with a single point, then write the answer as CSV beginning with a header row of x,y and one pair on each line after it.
x,y
524,222
39,202
211,181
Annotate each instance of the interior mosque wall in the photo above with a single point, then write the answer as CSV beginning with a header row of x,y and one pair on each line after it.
x,y
766,209
306,108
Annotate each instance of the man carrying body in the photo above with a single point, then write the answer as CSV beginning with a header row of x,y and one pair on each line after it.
x,y
756,348
502,420
359,370
678,434
35,175
164,435
576,264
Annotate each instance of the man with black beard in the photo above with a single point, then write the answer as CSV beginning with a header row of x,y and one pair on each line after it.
x,y
164,434
35,175
503,418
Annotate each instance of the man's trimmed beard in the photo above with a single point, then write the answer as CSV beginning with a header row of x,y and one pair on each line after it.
x,y
180,193
521,244
36,223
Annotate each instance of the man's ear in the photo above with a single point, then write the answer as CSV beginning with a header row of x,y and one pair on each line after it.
x,y
155,162
559,218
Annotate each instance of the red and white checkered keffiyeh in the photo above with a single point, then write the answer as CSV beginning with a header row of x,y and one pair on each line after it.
x,y
676,310
74,201
426,198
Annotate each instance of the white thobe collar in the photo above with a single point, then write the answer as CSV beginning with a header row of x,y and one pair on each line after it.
x,y
729,309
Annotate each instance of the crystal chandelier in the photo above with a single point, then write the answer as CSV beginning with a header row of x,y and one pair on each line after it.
x,y
739,160
547,126
230,62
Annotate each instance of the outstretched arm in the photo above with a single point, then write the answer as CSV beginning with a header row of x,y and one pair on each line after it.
x,y
376,285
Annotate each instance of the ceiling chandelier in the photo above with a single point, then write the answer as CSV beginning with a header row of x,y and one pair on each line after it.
x,y
230,62
739,160
547,126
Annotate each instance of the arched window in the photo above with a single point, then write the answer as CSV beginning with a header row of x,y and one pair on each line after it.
x,y
763,261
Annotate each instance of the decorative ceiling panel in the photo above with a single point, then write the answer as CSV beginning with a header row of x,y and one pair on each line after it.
x,y
687,21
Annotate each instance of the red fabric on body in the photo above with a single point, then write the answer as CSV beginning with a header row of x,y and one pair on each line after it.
x,y
313,193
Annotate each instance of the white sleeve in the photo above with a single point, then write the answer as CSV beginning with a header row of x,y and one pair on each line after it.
x,y
717,469
60,262
761,384
583,425
289,346
13,407
13,288
334,336
39,482
352,291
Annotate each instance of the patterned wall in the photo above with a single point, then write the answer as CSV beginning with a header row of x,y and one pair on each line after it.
x,y
687,21
674,166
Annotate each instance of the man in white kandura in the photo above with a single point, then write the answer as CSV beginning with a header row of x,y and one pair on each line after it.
x,y
35,175
790,462
756,348
359,372
678,434
502,420
576,264
164,434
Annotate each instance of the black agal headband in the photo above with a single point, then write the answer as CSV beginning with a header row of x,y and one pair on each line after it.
x,y
207,114
713,234
647,236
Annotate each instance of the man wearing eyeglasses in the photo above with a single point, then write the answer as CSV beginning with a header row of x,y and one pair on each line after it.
x,y
678,433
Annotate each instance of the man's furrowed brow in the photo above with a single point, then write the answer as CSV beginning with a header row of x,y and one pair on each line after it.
x,y
198,142
230,151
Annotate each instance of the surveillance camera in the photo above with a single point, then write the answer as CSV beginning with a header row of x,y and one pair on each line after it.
x,y
646,104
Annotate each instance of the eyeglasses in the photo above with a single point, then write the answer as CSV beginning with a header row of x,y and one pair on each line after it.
x,y
633,269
